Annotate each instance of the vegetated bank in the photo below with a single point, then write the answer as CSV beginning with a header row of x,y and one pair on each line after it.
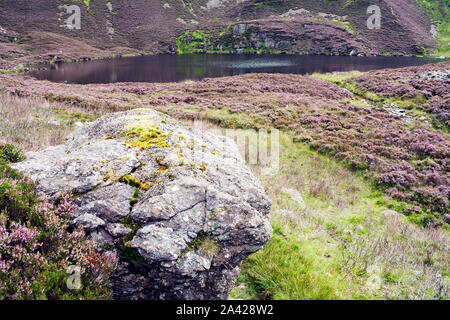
x,y
117,28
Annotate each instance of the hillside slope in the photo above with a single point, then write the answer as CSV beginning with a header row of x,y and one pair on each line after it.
x,y
291,26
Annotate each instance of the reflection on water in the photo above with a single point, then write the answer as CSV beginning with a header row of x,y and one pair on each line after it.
x,y
171,68
252,64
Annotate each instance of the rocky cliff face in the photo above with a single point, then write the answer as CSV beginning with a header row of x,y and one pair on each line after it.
x,y
298,34
293,26
176,206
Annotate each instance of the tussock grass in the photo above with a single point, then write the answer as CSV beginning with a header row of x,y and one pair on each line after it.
x,y
290,269
34,123
336,77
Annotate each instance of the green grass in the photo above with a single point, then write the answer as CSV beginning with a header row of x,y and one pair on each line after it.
x,y
191,42
288,269
224,118
341,245
340,78
344,24
34,123
443,41
16,70
367,98
70,117
336,77
130,55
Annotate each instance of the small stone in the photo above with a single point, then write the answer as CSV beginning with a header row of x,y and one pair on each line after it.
x,y
117,230
89,221
54,123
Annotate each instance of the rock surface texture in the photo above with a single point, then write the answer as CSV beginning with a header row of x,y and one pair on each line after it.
x,y
176,206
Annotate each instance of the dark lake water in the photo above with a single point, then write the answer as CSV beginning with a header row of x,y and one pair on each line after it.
x,y
172,68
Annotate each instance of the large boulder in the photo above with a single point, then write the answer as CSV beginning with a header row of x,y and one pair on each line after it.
x,y
176,206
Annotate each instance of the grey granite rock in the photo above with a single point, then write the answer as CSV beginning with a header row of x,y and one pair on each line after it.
x,y
117,230
89,221
178,206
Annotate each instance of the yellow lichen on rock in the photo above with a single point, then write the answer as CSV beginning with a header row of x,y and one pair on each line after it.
x,y
132,181
143,134
140,116
108,174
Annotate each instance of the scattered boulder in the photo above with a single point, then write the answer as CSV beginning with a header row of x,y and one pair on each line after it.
x,y
392,108
176,206
435,75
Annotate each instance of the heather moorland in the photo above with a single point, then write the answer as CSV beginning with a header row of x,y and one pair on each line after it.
x,y
351,199
367,152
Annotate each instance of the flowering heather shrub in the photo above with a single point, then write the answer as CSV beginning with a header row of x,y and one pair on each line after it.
x,y
404,80
139,90
11,153
395,156
408,83
37,245
440,108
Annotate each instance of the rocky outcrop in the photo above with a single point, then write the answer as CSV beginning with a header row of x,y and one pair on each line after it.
x,y
299,34
435,75
176,206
